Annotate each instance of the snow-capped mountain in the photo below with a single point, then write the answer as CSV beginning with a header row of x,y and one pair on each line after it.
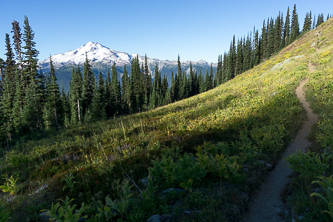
x,y
100,54
101,58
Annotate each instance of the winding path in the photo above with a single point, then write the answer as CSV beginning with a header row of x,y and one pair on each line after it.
x,y
267,205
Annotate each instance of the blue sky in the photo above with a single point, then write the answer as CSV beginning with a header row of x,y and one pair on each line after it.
x,y
196,30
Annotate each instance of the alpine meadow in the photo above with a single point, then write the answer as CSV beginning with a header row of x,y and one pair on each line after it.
x,y
181,141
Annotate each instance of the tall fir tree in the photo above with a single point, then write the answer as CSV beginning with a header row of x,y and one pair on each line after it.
x,y
179,80
307,23
115,91
10,66
278,33
30,54
201,81
320,19
264,42
256,49
102,92
247,54
16,30
191,81
126,87
219,71
76,96
270,39
239,57
65,107
53,101
97,104
147,82
164,89
18,103
88,85
184,85
294,33
232,58
173,91
286,33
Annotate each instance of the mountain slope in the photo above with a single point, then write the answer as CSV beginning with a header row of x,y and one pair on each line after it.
x,y
102,58
213,149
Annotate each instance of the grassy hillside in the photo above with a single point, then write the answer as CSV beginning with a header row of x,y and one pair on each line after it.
x,y
213,148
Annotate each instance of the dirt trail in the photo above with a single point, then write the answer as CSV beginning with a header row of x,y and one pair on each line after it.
x,y
268,206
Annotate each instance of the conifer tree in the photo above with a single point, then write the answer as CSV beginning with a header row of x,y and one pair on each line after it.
x,y
153,99
239,57
76,95
286,32
18,103
164,89
65,107
115,91
10,67
201,82
314,22
219,71
30,54
168,97
126,91
232,59
147,83
320,19
294,26
247,54
270,39
108,99
157,82
16,30
263,47
256,49
278,33
88,85
31,112
282,43
136,99
179,79
191,81
97,105
102,91
173,88
6,105
2,66
307,23
207,81
184,85
225,67
53,100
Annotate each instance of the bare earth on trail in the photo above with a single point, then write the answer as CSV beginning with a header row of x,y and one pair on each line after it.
x,y
267,205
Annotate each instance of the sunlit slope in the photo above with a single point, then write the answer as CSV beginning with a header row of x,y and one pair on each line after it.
x,y
226,135
316,165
